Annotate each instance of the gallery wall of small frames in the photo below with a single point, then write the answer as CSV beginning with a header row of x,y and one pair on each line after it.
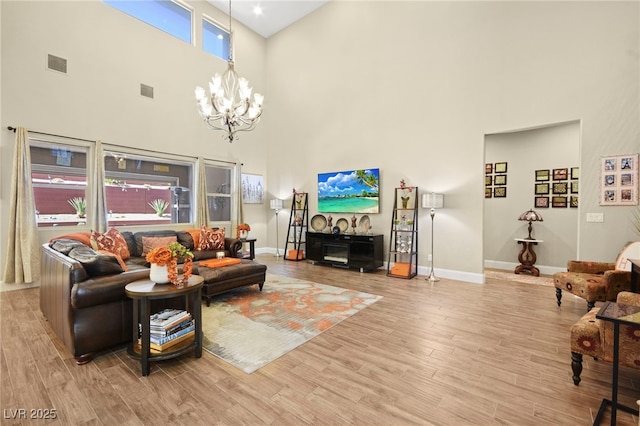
x,y
495,180
556,188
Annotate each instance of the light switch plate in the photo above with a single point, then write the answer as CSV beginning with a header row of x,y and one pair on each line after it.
x,y
595,217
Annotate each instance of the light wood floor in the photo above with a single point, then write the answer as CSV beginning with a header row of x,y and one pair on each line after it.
x,y
451,353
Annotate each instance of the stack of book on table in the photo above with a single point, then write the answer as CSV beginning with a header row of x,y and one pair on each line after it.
x,y
170,327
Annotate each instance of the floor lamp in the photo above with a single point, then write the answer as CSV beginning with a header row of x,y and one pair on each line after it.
x,y
276,204
432,201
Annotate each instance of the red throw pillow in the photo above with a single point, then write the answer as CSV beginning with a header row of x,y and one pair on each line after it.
x,y
150,243
211,239
111,241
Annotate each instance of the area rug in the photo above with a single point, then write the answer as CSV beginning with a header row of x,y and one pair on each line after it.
x,y
249,329
521,278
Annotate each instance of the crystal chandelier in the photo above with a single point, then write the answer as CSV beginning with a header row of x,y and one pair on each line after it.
x,y
229,106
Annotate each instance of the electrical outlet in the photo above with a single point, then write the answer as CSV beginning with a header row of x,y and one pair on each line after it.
x,y
595,217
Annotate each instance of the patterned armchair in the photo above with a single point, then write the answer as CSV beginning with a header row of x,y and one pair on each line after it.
x,y
597,281
593,337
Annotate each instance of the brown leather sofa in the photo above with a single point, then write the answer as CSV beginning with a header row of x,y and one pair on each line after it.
x,y
85,302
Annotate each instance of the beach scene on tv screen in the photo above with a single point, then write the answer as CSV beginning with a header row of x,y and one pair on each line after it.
x,y
352,191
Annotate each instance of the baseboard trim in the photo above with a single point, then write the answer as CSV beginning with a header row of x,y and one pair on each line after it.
x,y
510,266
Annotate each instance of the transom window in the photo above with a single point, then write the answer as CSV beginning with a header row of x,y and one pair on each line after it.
x,y
169,16
215,39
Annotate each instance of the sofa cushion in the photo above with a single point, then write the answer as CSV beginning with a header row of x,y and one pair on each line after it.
x,y
150,243
138,238
111,241
94,263
211,239
65,245
195,237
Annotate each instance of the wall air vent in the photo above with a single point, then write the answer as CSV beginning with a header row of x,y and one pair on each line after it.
x,y
146,91
57,63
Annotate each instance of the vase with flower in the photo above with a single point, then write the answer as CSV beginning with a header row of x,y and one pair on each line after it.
x,y
164,264
243,231
405,195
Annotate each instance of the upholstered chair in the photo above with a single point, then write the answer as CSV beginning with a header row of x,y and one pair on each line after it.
x,y
597,281
593,337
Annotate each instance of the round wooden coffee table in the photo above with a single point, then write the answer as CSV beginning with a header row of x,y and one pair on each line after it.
x,y
143,292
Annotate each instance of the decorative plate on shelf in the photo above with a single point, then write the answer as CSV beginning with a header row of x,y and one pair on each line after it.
x,y
343,224
364,224
318,222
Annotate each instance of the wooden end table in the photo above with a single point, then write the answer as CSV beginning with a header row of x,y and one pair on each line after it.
x,y
527,257
143,292
252,247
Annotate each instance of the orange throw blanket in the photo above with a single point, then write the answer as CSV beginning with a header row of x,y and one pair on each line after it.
x,y
217,263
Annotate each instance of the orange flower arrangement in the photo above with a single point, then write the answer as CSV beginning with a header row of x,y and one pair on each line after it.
x,y
242,227
168,256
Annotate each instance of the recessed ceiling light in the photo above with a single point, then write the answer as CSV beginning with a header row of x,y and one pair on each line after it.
x,y
257,10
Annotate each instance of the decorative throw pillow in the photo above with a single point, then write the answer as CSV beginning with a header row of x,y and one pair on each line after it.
x,y
195,234
111,241
211,239
83,237
149,243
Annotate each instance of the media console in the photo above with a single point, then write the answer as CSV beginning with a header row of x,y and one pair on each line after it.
x,y
364,252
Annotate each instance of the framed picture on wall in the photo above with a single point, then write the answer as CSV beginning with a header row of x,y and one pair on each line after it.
x,y
487,180
252,188
558,201
488,168
574,186
542,175
542,202
560,187
500,167
500,192
575,173
488,193
573,201
560,174
542,188
500,180
619,180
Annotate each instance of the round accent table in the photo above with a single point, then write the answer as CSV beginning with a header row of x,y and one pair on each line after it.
x,y
143,292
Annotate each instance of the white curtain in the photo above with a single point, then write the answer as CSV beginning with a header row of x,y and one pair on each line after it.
x,y
23,250
99,206
202,210
240,209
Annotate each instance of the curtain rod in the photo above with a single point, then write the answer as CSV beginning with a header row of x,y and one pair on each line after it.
x,y
13,129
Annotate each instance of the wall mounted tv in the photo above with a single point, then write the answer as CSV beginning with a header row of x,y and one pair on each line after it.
x,y
352,191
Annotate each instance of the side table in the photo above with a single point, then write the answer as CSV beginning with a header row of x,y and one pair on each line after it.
x,y
143,292
617,314
527,257
252,247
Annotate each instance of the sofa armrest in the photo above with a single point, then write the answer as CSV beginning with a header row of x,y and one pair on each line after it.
x,y
233,246
628,298
588,267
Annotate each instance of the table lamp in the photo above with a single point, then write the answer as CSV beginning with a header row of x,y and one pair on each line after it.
x,y
530,216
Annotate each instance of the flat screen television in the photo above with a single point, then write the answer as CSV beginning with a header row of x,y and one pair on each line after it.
x,y
351,191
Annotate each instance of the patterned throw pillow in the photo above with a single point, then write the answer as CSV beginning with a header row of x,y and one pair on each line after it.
x,y
149,243
211,239
111,241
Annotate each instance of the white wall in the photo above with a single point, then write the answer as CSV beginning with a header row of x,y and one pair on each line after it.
x,y
548,148
409,87
109,54
413,87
